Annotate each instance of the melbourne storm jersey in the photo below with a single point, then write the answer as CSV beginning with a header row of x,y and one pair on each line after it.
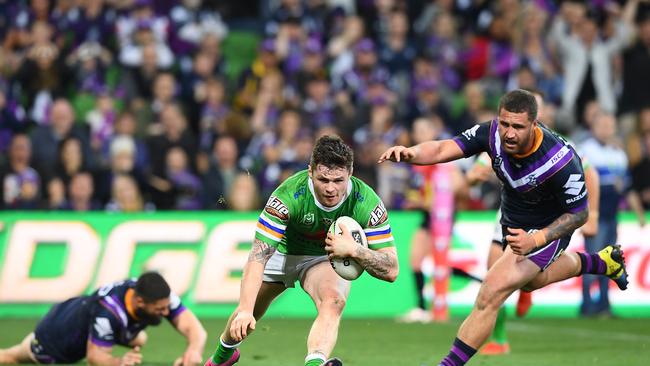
x,y
538,187
295,223
101,317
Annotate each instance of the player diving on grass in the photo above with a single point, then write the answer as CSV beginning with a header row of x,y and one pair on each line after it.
x,y
292,244
480,172
543,201
116,314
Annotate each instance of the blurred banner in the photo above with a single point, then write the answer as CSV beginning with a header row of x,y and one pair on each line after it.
x,y
49,257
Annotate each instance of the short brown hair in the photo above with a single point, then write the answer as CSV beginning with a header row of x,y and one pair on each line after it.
x,y
519,101
331,151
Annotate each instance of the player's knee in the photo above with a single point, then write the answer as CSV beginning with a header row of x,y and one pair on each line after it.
x,y
488,297
332,304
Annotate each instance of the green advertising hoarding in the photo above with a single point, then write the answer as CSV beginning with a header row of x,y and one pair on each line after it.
x,y
48,257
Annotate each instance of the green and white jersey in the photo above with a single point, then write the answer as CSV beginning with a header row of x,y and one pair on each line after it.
x,y
295,223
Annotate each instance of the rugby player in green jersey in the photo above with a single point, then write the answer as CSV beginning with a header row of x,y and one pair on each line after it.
x,y
292,244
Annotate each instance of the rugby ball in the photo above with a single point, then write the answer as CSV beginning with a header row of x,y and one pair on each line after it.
x,y
348,268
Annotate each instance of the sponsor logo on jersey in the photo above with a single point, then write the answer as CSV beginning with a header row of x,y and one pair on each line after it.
x,y
103,328
299,193
378,215
275,207
574,184
576,198
469,133
326,223
308,219
359,197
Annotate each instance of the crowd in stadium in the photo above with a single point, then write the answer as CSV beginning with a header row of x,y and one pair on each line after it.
x,y
140,105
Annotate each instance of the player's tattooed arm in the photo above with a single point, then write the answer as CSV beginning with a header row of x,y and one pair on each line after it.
x,y
565,225
261,252
380,264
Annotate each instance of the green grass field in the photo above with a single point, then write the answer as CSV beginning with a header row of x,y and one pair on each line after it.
x,y
378,342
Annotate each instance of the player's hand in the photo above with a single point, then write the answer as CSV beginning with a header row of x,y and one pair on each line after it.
x,y
342,245
191,357
133,357
520,241
243,323
478,173
397,154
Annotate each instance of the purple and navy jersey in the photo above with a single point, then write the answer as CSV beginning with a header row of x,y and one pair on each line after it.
x,y
100,317
537,188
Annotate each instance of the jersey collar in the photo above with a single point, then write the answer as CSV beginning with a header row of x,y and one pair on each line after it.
x,y
329,209
128,303
537,142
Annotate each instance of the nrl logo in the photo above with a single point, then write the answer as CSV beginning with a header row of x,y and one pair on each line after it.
x,y
308,219
497,161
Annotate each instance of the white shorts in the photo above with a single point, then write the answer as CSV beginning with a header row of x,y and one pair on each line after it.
x,y
289,268
497,234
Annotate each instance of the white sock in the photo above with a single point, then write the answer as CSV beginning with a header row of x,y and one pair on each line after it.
x,y
316,356
228,345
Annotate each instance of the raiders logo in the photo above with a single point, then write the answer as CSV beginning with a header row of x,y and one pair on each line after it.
x,y
378,215
275,207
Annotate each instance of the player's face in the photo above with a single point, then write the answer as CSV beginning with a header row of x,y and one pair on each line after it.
x,y
330,184
516,132
153,312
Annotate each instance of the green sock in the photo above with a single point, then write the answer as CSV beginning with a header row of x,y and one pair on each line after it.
x,y
499,333
314,362
222,354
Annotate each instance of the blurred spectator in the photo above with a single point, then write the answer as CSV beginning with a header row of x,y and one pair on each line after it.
x,y
71,159
46,138
244,194
56,199
123,155
341,45
184,186
313,63
164,92
249,84
218,181
604,152
269,102
126,197
636,73
81,192
174,132
396,50
142,27
12,119
92,21
101,121
427,100
639,152
89,64
138,81
587,59
21,184
195,85
213,111
191,21
444,47
474,107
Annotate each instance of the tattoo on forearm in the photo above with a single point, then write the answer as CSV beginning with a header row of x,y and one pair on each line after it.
x,y
378,264
261,252
565,224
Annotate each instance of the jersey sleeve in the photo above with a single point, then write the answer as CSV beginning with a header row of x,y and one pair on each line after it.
x,y
175,306
106,324
273,220
569,182
475,140
373,217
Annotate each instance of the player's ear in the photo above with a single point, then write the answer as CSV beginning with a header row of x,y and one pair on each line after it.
x,y
309,171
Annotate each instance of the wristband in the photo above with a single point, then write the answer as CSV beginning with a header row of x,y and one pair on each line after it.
x,y
539,237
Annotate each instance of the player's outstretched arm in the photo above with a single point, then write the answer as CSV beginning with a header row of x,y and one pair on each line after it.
x,y
189,326
251,282
426,153
101,356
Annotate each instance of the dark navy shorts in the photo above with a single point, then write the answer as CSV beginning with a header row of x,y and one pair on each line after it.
x,y
543,256
41,356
